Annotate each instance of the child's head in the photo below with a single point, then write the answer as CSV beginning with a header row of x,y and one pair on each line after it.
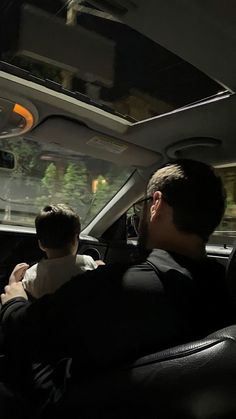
x,y
58,228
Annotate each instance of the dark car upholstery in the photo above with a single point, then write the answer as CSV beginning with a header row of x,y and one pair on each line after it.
x,y
193,380
231,273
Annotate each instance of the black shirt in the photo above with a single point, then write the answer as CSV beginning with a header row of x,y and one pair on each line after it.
x,y
115,314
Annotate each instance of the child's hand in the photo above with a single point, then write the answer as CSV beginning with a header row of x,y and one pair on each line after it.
x,y
18,272
99,262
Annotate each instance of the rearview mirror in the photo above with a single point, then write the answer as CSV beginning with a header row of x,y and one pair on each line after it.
x,y
7,160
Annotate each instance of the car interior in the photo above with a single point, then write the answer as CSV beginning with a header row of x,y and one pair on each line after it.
x,y
94,97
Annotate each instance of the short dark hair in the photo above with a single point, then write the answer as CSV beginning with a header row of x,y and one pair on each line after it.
x,y
194,191
57,225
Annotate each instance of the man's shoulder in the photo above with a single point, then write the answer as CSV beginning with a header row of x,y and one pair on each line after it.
x,y
142,276
163,262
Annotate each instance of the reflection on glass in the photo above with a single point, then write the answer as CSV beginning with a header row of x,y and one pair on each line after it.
x,y
91,55
226,232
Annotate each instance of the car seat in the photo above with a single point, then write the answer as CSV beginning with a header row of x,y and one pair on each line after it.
x,y
196,380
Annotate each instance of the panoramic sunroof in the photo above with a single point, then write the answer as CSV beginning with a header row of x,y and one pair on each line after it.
x,y
85,52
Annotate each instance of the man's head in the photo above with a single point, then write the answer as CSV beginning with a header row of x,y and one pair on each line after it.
x,y
57,227
186,196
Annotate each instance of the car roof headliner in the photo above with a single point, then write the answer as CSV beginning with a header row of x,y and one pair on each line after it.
x,y
203,33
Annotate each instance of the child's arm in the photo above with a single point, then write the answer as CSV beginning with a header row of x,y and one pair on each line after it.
x,y
99,262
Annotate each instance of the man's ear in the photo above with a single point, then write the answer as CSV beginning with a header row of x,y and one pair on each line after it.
x,y
41,246
156,205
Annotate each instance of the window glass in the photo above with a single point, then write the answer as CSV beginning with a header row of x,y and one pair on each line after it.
x,y
46,174
132,222
107,64
225,233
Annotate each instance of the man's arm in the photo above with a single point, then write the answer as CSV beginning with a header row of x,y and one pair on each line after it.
x,y
79,320
22,326
46,327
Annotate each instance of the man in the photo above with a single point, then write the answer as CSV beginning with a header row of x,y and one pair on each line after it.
x,y
115,314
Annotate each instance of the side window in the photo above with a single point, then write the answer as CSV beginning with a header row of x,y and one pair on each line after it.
x,y
225,233
132,223
133,216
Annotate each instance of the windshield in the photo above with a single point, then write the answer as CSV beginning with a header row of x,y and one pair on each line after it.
x,y
47,174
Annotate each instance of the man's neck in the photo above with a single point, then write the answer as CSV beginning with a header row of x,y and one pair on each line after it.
x,y
190,246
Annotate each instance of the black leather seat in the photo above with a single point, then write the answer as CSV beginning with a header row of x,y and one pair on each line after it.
x,y
231,273
195,380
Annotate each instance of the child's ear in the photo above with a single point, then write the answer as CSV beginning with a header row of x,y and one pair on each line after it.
x,y
77,239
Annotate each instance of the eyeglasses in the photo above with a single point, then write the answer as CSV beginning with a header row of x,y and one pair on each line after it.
x,y
134,219
139,205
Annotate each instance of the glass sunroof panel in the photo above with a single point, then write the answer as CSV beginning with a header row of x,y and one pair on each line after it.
x,y
91,55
